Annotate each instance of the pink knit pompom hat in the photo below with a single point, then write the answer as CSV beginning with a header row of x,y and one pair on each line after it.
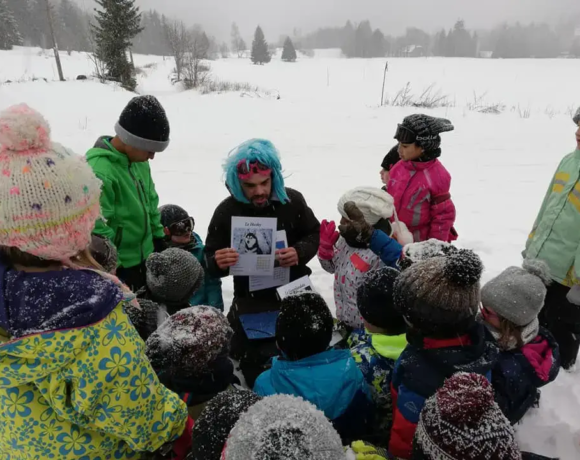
x,y
49,196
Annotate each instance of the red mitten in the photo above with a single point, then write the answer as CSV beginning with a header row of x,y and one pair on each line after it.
x,y
328,238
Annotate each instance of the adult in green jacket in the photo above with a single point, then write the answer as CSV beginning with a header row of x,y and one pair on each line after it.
x,y
129,201
555,239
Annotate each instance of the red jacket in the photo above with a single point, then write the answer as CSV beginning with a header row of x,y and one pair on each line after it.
x,y
422,199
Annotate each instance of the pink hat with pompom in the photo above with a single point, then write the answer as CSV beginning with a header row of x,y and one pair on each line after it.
x,y
49,196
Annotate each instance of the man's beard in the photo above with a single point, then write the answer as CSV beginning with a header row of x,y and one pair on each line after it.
x,y
264,204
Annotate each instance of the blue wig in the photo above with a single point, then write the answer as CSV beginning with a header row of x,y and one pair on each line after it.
x,y
255,150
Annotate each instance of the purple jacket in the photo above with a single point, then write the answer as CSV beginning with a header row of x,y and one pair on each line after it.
x,y
38,302
422,199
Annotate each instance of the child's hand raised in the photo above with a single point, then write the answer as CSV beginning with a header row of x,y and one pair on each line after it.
x,y
357,229
328,238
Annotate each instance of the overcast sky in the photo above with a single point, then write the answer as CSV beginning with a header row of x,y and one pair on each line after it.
x,y
392,16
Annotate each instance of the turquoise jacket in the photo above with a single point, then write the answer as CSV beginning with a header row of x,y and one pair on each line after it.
x,y
332,382
210,294
555,238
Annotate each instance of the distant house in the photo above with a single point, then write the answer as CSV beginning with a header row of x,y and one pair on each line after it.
x,y
413,51
485,54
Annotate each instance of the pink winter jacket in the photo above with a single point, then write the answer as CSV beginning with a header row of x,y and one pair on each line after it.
x,y
422,199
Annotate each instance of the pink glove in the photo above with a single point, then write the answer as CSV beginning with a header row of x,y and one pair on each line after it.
x,y
328,238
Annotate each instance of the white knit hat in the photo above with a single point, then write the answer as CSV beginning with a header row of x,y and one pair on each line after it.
x,y
49,196
373,202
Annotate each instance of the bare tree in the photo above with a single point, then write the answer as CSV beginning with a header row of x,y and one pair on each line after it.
x,y
54,42
238,43
196,71
179,39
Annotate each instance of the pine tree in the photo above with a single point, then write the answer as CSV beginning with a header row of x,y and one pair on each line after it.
x,y
260,53
22,15
117,24
9,34
289,53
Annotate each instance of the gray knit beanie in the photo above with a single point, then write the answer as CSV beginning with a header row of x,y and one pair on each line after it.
x,y
173,275
440,296
576,118
518,294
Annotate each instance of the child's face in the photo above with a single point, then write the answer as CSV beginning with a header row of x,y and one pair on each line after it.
x,y
384,176
578,136
490,317
410,152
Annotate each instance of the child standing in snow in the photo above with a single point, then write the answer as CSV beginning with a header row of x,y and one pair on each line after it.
x,y
419,183
129,200
74,378
376,348
189,353
462,421
283,428
439,298
173,277
529,356
349,257
179,230
328,378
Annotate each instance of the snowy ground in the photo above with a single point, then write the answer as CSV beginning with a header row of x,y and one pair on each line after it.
x,y
332,135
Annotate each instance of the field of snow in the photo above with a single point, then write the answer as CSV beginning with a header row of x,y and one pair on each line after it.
x,y
332,135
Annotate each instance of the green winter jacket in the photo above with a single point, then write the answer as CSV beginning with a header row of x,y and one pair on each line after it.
x,y
555,237
129,203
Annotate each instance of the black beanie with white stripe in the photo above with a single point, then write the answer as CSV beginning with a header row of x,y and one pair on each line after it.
x,y
143,125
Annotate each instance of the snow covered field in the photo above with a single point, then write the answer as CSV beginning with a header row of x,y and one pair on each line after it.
x,y
332,135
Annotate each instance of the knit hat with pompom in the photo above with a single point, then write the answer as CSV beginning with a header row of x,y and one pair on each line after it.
x,y
518,294
49,196
463,421
440,296
284,428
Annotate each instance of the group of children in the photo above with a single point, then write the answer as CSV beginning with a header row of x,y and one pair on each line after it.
x,y
90,370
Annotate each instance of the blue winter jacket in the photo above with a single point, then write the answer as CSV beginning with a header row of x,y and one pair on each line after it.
x,y
210,294
332,382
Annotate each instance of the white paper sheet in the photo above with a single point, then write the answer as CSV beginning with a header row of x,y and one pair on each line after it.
x,y
254,239
281,275
296,287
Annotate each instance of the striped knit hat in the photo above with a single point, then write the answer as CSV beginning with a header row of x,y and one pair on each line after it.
x,y
49,197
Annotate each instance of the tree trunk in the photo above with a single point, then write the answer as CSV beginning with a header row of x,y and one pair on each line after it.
x,y
54,43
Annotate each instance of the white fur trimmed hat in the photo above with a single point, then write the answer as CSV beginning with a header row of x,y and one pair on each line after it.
x,y
373,202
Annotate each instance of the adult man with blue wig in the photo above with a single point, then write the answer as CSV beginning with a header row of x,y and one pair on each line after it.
x,y
253,176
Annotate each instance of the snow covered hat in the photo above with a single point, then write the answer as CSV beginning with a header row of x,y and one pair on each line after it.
x,y
576,118
284,428
417,252
143,125
49,196
518,294
215,423
189,342
254,152
173,275
463,421
147,317
104,252
375,300
374,203
440,296
304,326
